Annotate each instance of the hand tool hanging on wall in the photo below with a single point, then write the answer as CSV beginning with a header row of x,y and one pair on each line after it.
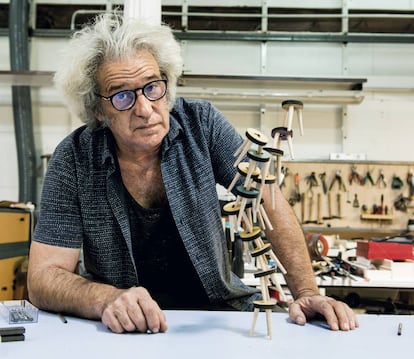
x,y
296,192
328,196
396,182
302,207
348,198
310,209
338,178
367,178
319,209
355,203
354,176
322,177
338,205
401,203
311,181
410,182
381,182
284,172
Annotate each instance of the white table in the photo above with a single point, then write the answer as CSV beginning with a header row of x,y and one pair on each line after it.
x,y
217,335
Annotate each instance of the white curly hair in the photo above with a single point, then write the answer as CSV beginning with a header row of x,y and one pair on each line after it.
x,y
111,37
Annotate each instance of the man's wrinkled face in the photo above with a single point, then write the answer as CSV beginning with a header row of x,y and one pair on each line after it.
x,y
144,125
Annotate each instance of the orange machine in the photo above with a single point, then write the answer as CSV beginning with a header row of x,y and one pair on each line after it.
x,y
15,230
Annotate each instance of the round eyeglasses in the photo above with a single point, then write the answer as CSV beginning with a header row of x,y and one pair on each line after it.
x,y
124,100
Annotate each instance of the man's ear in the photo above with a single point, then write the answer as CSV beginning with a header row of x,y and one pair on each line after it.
x,y
99,116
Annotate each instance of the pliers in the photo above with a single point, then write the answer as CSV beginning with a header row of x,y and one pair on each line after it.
x,y
311,180
354,175
366,178
338,178
322,177
381,182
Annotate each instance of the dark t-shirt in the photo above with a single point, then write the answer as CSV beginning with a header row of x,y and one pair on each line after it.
x,y
163,265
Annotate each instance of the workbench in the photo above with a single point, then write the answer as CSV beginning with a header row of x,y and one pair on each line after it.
x,y
343,286
210,334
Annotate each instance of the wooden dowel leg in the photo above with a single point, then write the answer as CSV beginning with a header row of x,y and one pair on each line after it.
x,y
300,118
264,289
272,195
242,147
241,212
264,173
289,116
274,257
254,211
278,287
290,144
279,170
255,315
235,179
247,222
252,166
250,215
242,154
276,142
261,221
269,322
232,227
265,217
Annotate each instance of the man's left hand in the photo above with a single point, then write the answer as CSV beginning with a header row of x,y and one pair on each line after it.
x,y
338,315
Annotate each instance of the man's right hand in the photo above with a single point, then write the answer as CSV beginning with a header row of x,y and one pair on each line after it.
x,y
134,310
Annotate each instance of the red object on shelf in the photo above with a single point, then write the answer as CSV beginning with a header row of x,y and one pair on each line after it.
x,y
384,250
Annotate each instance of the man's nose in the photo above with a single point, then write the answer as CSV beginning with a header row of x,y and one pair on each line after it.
x,y
142,106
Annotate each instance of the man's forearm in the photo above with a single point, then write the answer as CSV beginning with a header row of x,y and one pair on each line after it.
x,y
61,291
288,242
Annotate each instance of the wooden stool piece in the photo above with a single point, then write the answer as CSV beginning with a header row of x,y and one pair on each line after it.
x,y
291,106
247,236
268,307
252,136
283,134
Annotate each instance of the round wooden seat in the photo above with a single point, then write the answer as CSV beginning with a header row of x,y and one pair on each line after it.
x,y
231,208
248,236
243,169
265,273
274,151
295,103
256,136
247,193
262,156
265,304
262,250
282,132
268,180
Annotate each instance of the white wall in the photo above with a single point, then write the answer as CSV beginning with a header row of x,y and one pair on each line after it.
x,y
380,127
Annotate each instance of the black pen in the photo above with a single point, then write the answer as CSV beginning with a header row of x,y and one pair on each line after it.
x,y
399,332
63,319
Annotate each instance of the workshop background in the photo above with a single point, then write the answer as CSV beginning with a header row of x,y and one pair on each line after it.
x,y
349,62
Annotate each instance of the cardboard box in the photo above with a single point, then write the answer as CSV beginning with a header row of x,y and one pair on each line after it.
x,y
384,250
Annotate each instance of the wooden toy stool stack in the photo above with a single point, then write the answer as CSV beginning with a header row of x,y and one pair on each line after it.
x,y
247,210
285,133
